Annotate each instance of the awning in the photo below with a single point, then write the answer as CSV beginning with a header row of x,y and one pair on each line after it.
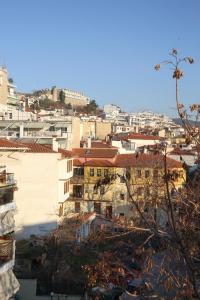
x,y
8,285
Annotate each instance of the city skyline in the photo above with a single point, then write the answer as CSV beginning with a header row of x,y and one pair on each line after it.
x,y
106,49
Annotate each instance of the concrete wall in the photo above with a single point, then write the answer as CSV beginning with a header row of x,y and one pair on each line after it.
x,y
28,292
102,129
76,133
88,129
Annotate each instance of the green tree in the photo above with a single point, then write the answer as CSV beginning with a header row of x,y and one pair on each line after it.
x,y
62,96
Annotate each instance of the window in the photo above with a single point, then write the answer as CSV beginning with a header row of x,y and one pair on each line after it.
x,y
139,173
102,189
105,172
122,179
95,190
155,173
99,172
97,208
78,171
66,187
91,172
122,196
69,166
77,207
147,191
139,191
147,173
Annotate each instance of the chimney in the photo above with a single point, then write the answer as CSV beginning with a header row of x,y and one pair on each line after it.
x,y
55,145
21,130
89,143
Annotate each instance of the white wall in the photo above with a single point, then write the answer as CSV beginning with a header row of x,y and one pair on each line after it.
x,y
37,176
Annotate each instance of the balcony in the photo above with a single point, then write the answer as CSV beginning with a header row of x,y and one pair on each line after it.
x,y
78,176
6,195
77,179
7,222
6,179
7,250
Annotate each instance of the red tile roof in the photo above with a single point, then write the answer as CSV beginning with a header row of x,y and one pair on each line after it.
x,y
139,160
65,153
26,147
145,161
136,136
98,163
4,143
94,153
101,145
77,163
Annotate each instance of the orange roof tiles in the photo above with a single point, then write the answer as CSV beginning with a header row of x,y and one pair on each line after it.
x,y
98,163
145,161
94,153
136,136
102,145
26,147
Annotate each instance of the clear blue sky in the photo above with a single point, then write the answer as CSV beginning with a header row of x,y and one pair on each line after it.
x,y
105,48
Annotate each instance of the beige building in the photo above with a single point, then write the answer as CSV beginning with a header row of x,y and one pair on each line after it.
x,y
43,176
7,89
95,129
71,97
3,85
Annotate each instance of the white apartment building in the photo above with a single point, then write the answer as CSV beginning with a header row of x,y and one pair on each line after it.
x,y
130,142
111,110
8,282
149,119
118,128
43,175
66,130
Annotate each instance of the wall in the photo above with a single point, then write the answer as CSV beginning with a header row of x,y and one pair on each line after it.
x,y
37,195
28,292
103,129
88,129
76,133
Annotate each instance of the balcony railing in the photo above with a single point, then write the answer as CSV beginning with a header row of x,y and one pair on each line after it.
x,y
6,195
7,222
6,250
76,195
7,179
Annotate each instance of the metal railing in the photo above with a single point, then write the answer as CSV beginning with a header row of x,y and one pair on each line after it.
x,y
6,249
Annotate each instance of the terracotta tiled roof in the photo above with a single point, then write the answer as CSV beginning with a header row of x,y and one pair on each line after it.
x,y
26,147
101,145
65,153
77,163
139,160
94,153
37,148
144,161
98,163
4,143
139,136
135,136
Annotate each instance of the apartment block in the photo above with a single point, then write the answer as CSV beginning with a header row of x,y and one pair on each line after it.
x,y
8,282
